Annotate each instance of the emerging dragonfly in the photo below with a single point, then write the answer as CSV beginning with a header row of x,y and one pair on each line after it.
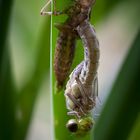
x,y
65,46
81,89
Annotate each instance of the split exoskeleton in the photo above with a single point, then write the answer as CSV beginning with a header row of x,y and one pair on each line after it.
x,y
82,88
65,45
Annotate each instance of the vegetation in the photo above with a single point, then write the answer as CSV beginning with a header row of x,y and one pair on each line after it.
x,y
25,43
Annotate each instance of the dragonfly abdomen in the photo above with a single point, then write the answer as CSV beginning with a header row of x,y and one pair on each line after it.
x,y
91,52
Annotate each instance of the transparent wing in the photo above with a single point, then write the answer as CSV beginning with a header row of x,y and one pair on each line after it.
x,y
95,87
98,107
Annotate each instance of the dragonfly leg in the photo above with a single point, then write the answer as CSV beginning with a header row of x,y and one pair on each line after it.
x,y
72,98
82,90
43,10
73,113
55,12
77,103
86,99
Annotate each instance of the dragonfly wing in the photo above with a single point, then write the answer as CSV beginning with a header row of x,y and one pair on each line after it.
x,y
95,86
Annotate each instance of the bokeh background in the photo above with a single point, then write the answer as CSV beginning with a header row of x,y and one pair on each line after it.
x,y
25,61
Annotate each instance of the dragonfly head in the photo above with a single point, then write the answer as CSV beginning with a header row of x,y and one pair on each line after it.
x,y
81,126
72,125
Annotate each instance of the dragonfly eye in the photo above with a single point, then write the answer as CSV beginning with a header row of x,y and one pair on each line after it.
x,y
72,125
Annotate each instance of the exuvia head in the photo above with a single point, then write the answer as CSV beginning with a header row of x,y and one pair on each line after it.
x,y
80,126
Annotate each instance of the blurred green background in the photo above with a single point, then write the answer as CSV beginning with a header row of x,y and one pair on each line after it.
x,y
25,69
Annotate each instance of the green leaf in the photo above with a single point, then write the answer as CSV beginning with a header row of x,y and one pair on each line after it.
x,y
29,92
122,107
29,32
7,87
5,9
103,8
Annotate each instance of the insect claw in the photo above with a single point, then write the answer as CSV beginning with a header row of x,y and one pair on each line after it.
x,y
46,13
49,13
43,12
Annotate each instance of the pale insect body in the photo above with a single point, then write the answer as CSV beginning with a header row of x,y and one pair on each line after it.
x,y
81,89
65,46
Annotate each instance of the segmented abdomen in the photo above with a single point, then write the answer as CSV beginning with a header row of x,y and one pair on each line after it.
x,y
64,54
81,89
91,52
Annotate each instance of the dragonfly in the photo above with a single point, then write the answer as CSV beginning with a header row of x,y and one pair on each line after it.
x,y
82,88
67,37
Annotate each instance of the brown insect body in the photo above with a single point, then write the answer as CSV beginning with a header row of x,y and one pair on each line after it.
x,y
65,46
64,54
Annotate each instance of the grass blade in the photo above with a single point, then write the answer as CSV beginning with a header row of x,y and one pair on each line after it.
x,y
5,11
28,94
7,87
122,106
